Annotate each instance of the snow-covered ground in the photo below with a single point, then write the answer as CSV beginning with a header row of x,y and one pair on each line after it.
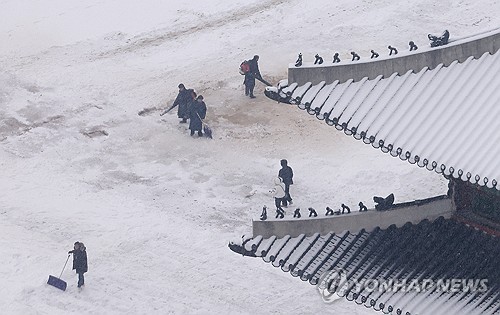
x,y
85,155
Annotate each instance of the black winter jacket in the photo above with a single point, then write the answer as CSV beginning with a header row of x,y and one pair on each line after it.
x,y
197,109
80,260
183,100
286,174
253,73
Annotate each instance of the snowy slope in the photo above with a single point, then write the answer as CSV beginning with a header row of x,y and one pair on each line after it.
x,y
155,207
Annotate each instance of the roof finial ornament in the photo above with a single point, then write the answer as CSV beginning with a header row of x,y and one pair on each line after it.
x,y
374,54
329,211
392,50
362,207
296,214
382,204
355,56
336,58
298,63
263,215
345,208
318,59
412,46
312,212
439,40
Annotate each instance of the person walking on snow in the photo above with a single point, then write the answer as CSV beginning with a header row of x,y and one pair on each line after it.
x,y
279,194
286,174
182,100
197,112
79,261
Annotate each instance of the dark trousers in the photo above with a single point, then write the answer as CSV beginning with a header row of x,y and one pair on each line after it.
x,y
287,198
249,89
279,211
81,280
249,83
277,202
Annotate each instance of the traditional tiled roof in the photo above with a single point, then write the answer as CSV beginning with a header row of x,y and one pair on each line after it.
x,y
446,119
396,214
443,249
457,49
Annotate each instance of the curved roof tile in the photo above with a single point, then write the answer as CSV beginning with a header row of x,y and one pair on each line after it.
x,y
446,119
443,249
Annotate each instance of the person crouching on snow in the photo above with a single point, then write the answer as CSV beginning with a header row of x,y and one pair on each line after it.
x,y
79,261
279,194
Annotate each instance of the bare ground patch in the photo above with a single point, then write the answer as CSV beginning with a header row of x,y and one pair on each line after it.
x,y
94,132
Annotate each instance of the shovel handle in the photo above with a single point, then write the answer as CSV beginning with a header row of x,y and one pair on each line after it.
x,y
64,266
202,122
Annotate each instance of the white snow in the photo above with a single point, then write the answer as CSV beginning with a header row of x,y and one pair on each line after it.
x,y
154,207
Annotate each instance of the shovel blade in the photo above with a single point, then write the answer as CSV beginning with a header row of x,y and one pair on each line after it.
x,y
56,282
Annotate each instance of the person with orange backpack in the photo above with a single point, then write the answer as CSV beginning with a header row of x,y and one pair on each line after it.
x,y
251,71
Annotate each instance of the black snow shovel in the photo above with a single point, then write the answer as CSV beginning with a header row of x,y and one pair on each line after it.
x,y
207,131
57,282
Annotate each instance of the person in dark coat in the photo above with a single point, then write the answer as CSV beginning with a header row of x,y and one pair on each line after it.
x,y
197,112
286,174
251,75
182,101
79,261
192,100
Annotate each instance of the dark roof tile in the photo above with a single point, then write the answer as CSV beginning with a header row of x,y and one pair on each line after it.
x,y
443,249
444,119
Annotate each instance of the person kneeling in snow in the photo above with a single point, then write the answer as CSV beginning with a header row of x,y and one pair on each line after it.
x,y
79,261
279,195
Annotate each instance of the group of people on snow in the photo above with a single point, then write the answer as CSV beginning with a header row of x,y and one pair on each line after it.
x,y
192,107
189,106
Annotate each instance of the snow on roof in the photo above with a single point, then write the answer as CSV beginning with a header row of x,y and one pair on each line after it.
x,y
445,119
443,249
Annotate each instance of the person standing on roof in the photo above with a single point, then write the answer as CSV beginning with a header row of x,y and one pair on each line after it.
x,y
251,75
286,174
